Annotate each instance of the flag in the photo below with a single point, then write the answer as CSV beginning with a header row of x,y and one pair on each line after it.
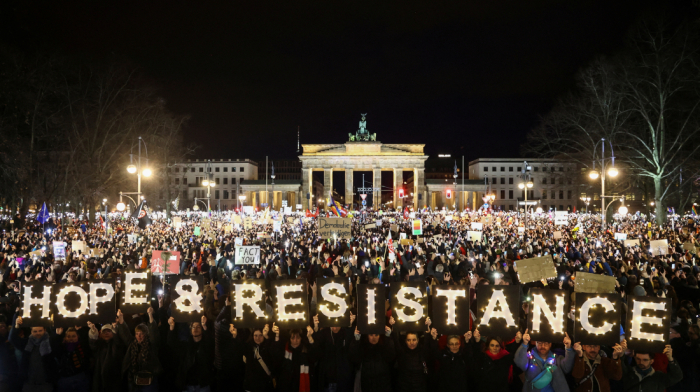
x,y
102,222
141,214
339,211
391,244
695,212
43,215
405,213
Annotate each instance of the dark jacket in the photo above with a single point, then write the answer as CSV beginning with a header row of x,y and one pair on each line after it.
x,y
452,373
412,365
256,378
227,355
288,363
48,361
152,363
333,365
68,364
652,382
607,369
490,374
375,362
195,359
108,356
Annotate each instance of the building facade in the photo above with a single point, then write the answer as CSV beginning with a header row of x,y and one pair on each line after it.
x,y
555,183
226,174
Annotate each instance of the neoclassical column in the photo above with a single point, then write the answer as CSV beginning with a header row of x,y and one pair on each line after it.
x,y
419,189
377,191
306,183
348,187
327,185
398,183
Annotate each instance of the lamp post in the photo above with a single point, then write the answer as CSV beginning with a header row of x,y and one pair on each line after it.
x,y
623,209
612,172
272,176
587,201
196,206
526,185
455,183
137,169
241,200
104,202
209,183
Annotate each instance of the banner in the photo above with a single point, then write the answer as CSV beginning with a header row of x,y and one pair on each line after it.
x,y
59,249
333,296
160,266
247,255
340,228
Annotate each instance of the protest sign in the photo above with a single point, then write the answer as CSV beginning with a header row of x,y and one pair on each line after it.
x,y
35,304
597,319
394,228
277,226
648,322
165,262
474,235
248,223
238,241
620,236
689,247
292,308
594,283
557,235
337,228
631,243
409,305
547,319
658,247
177,222
561,218
247,255
333,296
536,268
79,246
59,249
370,226
497,310
371,314
449,305
417,227
237,219
406,242
478,226
188,299
136,291
248,303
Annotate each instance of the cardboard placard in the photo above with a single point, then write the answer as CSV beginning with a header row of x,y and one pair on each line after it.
x,y
597,319
547,320
477,226
406,242
498,310
177,222
247,255
291,303
536,269
206,223
557,235
333,299
160,266
188,298
370,226
249,312
409,305
631,243
35,304
371,319
474,236
97,252
79,246
237,219
689,247
340,228
394,228
594,283
248,223
658,247
450,318
647,325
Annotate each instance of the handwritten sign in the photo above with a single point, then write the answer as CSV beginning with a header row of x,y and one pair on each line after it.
x,y
340,228
247,255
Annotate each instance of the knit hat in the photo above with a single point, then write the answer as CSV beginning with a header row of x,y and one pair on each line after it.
x,y
639,291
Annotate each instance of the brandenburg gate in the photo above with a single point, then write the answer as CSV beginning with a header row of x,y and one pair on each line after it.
x,y
364,153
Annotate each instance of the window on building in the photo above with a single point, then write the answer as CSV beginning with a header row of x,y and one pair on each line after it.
x,y
561,194
216,169
233,170
596,196
217,182
561,207
225,180
510,194
554,181
510,207
177,170
191,170
510,169
554,194
184,194
201,170
503,180
544,168
225,194
226,169
510,180
568,207
495,180
503,168
233,181
561,168
544,181
503,194
519,169
629,196
531,195
486,168
544,195
184,180
177,181
536,168
568,194
216,194
242,169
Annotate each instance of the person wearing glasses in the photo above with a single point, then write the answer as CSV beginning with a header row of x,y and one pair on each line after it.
x,y
453,372
543,370
196,356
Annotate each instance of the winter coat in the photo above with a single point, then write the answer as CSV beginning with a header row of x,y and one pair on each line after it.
x,y
490,374
152,363
531,370
452,374
375,362
334,366
288,361
256,378
607,369
653,382
108,356
193,355
412,365
48,361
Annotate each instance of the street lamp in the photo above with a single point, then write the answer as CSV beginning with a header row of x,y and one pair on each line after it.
x,y
586,200
272,176
137,169
241,199
104,202
528,184
612,172
121,206
209,183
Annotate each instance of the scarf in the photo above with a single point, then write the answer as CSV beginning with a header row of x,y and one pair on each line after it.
x,y
138,355
499,355
304,380
43,343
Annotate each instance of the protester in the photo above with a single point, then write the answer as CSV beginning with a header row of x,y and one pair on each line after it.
x,y
543,370
37,367
141,364
493,367
73,357
374,356
196,356
593,370
642,377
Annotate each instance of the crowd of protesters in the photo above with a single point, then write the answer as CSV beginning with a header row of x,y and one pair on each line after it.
x,y
151,352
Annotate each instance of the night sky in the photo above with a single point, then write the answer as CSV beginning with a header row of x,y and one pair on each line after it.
x,y
467,79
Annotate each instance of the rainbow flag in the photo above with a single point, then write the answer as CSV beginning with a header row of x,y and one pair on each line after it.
x,y
695,212
339,211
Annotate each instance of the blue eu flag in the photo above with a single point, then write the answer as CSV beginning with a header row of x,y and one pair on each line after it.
x,y
43,215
